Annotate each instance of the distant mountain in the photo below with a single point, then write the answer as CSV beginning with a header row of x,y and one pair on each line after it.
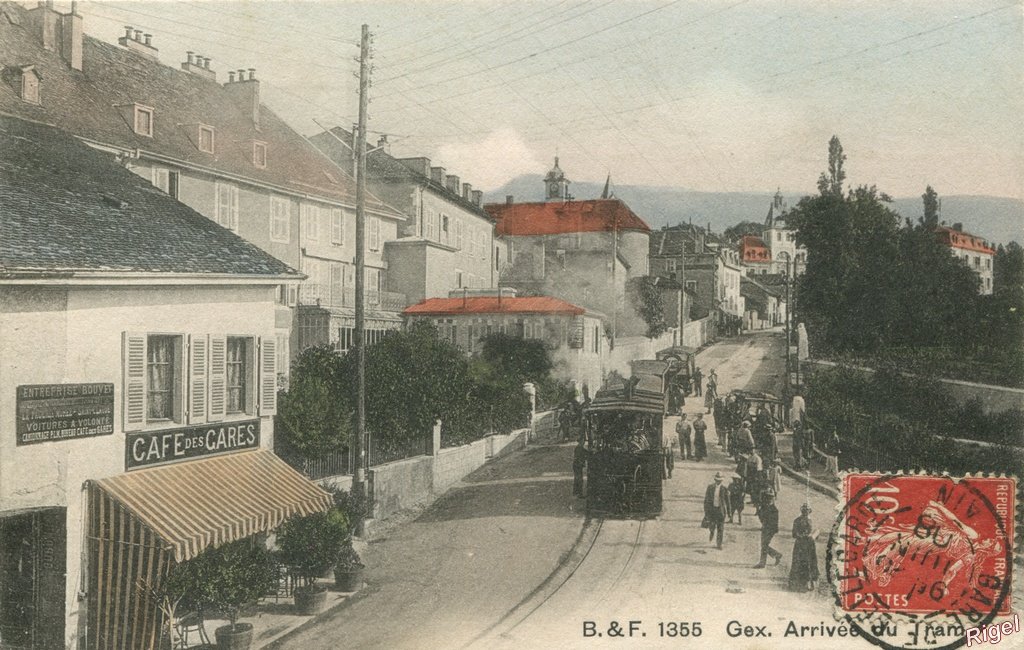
x,y
997,219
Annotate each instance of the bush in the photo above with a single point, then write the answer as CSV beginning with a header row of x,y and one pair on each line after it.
x,y
311,544
313,416
354,506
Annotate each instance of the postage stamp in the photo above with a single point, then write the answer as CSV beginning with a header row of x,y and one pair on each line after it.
x,y
930,554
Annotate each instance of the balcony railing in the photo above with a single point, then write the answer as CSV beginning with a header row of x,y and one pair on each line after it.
x,y
312,293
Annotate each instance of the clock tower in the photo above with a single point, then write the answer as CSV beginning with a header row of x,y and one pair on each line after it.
x,y
556,185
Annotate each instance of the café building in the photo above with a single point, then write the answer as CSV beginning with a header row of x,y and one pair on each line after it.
x,y
138,384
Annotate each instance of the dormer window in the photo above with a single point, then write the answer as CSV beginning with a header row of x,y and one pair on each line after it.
x,y
259,154
27,81
206,138
144,120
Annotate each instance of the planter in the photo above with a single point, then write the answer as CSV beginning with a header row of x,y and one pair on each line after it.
x,y
239,639
310,601
350,579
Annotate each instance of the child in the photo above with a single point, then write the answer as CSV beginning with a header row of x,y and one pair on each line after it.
x,y
736,498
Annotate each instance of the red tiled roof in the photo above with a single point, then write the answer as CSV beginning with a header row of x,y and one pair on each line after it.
x,y
753,249
558,217
490,305
965,240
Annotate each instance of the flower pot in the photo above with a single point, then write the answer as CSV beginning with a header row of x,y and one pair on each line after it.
x,y
238,639
350,579
309,601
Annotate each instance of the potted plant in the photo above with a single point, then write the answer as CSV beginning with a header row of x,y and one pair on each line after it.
x,y
309,546
348,569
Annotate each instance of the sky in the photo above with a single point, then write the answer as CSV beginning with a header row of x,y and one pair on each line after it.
x,y
709,95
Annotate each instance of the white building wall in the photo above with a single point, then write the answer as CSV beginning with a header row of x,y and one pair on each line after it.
x,y
54,335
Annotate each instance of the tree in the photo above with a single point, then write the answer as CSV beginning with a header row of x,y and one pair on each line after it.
x,y
1008,268
647,300
313,416
515,357
931,208
736,232
833,182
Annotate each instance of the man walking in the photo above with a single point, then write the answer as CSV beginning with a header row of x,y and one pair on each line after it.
x,y
698,377
716,507
832,448
683,431
769,516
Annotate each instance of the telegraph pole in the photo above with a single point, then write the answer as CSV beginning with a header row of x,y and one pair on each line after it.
x,y
360,448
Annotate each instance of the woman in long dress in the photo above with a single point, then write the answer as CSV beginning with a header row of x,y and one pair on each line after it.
x,y
803,573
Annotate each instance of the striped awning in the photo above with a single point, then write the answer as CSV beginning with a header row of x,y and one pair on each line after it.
x,y
208,502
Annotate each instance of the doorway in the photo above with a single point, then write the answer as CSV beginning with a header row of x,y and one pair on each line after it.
x,y
32,579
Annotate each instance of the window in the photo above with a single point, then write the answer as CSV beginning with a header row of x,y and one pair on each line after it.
x,y
311,222
166,180
445,226
691,285
259,154
337,227
282,353
30,86
430,226
206,138
239,367
144,120
988,262
337,284
373,234
312,290
458,278
458,233
280,222
227,206
163,369
977,262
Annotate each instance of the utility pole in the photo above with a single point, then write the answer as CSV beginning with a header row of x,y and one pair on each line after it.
x,y
361,446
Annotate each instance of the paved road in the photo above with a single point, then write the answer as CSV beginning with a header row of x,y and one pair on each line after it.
x,y
666,571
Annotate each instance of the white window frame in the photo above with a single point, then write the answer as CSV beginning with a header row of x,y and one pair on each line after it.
x,y
249,373
458,233
430,225
373,234
227,210
139,111
280,219
337,227
259,154
206,128
310,222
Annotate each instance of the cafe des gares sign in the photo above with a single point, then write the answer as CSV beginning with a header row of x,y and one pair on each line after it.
x,y
146,448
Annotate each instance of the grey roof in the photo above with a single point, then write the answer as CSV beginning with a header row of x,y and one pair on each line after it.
x,y
96,103
66,207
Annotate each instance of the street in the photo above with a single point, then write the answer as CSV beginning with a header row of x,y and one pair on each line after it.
x,y
466,573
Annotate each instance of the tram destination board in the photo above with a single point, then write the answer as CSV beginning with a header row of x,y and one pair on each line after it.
x,y
53,412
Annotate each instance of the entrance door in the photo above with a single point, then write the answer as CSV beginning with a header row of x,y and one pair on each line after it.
x,y
32,554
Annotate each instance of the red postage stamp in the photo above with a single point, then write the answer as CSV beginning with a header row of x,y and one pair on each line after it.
x,y
918,544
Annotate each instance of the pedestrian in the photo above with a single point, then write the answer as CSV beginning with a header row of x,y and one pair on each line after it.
x,y
675,398
803,573
698,377
808,445
737,498
770,443
716,499
579,464
798,444
774,471
721,426
683,433
700,443
564,422
713,378
744,439
832,450
754,468
769,516
709,398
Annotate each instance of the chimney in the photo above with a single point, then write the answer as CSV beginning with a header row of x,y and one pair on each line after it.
x,y
509,199
382,143
453,184
71,38
437,175
478,197
197,64
45,21
418,165
133,40
246,92
467,191
958,226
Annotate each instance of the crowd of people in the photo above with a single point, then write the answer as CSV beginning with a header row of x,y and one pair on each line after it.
x,y
751,440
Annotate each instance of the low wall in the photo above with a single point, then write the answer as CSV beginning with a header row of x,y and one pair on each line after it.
x,y
697,332
401,484
453,464
993,399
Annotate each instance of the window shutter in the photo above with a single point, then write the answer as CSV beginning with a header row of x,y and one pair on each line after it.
x,y
218,374
133,416
198,372
268,375
234,209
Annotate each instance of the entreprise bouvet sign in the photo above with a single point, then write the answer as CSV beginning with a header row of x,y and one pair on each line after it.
x,y
145,448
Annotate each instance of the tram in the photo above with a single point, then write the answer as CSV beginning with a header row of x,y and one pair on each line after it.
x,y
626,461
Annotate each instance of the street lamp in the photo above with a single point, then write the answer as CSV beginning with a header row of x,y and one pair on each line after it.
x,y
787,276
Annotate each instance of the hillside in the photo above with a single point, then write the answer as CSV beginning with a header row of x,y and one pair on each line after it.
x,y
997,219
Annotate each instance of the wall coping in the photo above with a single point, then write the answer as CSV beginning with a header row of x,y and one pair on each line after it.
x,y
959,382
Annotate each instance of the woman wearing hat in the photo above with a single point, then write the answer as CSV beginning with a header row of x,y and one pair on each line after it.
x,y
803,574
